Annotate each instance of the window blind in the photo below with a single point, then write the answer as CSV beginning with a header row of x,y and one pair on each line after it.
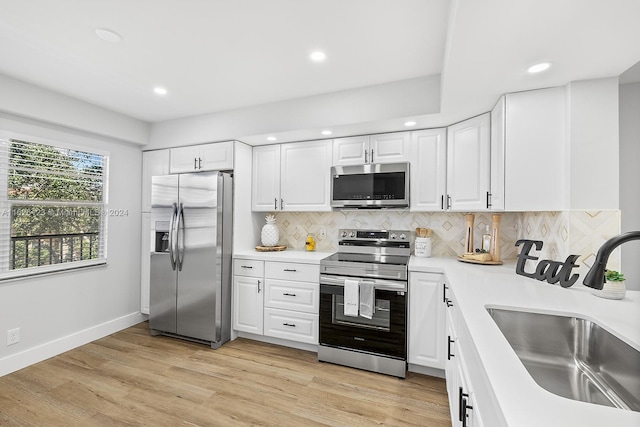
x,y
53,208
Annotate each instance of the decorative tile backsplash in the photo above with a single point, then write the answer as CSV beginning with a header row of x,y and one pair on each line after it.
x,y
572,233
563,233
447,237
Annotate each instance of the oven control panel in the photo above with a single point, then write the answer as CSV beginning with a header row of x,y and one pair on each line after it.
x,y
374,235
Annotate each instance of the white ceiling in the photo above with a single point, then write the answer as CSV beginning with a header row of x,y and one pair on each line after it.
x,y
216,55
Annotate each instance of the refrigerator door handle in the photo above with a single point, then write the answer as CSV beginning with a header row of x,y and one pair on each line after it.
x,y
180,236
172,237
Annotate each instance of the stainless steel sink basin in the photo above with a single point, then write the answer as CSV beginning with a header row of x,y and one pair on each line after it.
x,y
573,357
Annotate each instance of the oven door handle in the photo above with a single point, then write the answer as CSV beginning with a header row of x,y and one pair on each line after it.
x,y
381,285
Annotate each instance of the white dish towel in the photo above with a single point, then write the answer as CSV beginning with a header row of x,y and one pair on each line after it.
x,y
351,297
367,292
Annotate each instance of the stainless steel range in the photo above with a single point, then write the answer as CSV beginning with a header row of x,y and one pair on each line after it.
x,y
370,267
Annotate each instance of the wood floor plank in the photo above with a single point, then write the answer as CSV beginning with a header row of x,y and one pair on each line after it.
x,y
133,379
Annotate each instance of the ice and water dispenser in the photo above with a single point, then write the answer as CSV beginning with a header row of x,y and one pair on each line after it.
x,y
162,236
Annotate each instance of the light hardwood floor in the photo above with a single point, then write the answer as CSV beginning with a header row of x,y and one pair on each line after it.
x,y
131,378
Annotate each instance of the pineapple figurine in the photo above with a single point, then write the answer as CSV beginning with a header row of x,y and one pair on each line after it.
x,y
270,234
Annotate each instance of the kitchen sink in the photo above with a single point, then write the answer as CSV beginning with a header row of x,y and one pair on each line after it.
x,y
573,357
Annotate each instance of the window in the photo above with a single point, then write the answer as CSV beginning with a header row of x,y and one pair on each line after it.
x,y
52,205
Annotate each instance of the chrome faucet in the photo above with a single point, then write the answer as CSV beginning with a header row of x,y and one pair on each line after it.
x,y
595,277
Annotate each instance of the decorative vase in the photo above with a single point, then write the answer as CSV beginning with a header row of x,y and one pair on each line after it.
x,y
611,290
270,234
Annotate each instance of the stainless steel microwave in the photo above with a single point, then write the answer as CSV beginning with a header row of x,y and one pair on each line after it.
x,y
370,186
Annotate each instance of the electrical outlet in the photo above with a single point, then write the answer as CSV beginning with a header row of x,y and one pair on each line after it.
x,y
322,234
13,336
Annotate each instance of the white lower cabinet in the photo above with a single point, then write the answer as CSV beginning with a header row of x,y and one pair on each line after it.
x,y
461,390
426,320
291,325
292,300
277,299
248,304
248,296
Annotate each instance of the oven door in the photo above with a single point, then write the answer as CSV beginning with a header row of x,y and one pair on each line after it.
x,y
384,334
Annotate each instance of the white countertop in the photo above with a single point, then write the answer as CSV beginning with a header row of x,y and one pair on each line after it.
x,y
521,400
287,255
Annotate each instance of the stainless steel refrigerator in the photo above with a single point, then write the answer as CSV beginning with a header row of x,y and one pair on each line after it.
x,y
191,261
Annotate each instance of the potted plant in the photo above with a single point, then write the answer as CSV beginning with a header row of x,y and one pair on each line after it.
x,y
614,286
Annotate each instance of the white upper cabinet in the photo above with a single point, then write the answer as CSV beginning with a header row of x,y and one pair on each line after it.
x,y
205,157
265,188
497,155
305,176
468,164
390,147
382,148
428,170
529,127
292,177
351,150
153,163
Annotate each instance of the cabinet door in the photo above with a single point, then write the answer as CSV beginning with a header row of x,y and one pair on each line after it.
x,y
265,188
451,368
497,155
153,163
468,164
306,176
248,306
535,141
216,157
426,320
145,262
351,150
185,159
428,170
390,147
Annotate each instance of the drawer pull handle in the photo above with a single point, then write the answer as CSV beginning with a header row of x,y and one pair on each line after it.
x,y
449,342
246,266
291,270
288,294
293,325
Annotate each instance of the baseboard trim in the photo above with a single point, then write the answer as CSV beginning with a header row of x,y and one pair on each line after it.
x,y
425,370
30,356
278,341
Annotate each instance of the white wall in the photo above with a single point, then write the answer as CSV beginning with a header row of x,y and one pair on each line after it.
x,y
25,100
593,144
60,311
399,99
630,179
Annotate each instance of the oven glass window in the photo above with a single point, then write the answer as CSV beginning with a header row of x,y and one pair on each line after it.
x,y
381,315
369,186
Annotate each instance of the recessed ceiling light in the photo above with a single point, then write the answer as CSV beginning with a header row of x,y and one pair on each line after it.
x,y
108,35
318,56
538,68
410,123
160,90
272,138
326,132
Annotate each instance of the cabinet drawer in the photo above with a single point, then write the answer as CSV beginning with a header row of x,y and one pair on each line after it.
x,y
293,271
287,295
290,325
248,267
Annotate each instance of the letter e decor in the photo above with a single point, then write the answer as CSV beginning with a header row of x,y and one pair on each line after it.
x,y
547,270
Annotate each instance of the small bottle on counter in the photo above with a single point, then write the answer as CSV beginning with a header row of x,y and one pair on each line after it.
x,y
486,240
